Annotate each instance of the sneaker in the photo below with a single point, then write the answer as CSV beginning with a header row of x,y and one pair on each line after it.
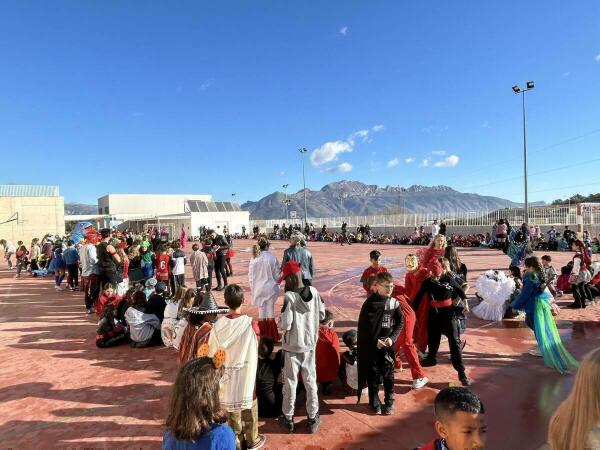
x,y
535,352
464,380
376,410
89,311
420,382
259,443
428,362
388,410
58,288
286,423
313,424
421,355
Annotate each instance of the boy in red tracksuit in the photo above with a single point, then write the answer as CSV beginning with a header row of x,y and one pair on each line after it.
x,y
374,269
327,353
459,421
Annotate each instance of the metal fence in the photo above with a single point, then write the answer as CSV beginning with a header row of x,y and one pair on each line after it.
x,y
542,215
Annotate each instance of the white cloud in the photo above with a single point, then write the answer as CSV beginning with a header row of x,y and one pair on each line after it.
x,y
424,163
329,151
344,31
438,152
450,161
598,57
363,134
377,128
393,163
409,160
340,168
486,124
282,173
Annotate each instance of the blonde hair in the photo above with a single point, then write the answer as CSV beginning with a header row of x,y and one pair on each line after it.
x,y
411,261
187,301
179,293
439,236
255,250
580,412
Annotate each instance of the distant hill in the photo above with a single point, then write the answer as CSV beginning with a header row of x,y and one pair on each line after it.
x,y
356,198
72,209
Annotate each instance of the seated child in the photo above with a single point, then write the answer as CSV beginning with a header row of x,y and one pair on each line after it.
x,y
171,317
183,316
107,297
156,302
149,286
348,371
562,282
144,329
459,421
328,353
269,389
195,420
110,331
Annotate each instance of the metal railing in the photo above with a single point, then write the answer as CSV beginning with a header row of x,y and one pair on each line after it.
x,y
543,215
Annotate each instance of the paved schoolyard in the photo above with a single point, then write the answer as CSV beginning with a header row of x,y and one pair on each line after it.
x,y
57,390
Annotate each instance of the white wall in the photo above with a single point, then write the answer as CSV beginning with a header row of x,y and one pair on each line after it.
x,y
130,205
233,220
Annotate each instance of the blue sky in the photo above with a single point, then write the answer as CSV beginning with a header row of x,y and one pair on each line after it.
x,y
216,97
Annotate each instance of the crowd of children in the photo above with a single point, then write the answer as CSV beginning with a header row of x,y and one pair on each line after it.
x,y
231,373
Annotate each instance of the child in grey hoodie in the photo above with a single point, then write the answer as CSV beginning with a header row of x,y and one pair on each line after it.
x,y
301,313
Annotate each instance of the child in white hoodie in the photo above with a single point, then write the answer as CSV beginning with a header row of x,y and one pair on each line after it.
x,y
237,335
302,311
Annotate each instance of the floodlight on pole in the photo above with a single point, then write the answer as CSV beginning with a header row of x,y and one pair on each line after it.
x,y
517,90
303,152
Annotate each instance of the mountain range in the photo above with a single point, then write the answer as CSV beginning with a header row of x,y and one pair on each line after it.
x,y
349,198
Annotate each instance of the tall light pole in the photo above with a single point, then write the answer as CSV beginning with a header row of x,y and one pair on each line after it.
x,y
285,186
303,153
517,90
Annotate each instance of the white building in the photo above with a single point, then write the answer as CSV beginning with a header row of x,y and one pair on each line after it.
x,y
169,213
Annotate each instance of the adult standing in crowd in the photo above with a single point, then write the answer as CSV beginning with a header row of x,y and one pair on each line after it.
x,y
9,250
296,252
220,245
89,274
435,229
263,274
107,260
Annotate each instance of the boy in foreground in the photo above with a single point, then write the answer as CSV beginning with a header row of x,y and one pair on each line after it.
x,y
459,421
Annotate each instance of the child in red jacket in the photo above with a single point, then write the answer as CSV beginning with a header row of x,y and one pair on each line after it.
x,y
328,353
374,269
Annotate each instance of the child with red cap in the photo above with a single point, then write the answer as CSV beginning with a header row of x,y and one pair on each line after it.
x,y
443,317
301,313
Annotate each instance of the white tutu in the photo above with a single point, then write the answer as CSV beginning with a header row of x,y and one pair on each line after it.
x,y
495,289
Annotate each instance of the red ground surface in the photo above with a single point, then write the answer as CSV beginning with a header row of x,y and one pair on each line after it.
x,y
57,390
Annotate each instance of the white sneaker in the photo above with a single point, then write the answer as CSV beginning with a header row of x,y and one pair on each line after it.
x,y
421,354
535,352
420,383
58,288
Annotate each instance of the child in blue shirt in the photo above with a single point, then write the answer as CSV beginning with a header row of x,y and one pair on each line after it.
x,y
193,426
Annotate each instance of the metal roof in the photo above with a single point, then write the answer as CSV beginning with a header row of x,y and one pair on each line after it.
x,y
28,190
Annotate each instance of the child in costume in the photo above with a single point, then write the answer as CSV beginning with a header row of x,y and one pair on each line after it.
x,y
348,371
459,421
580,276
379,325
144,329
269,391
146,260
328,353
301,313
237,334
178,261
163,266
263,274
444,318
111,332
374,269
535,300
195,420
199,325
495,290
551,276
171,317
199,263
107,297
